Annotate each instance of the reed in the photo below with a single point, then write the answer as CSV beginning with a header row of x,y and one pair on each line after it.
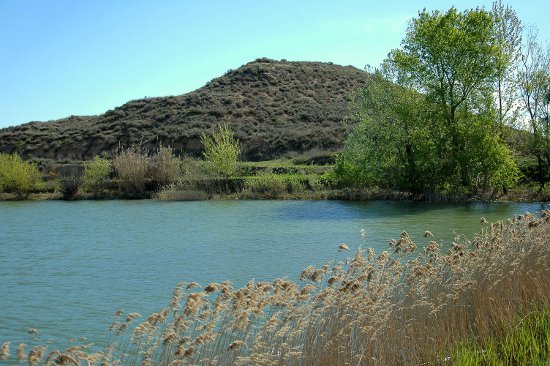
x,y
402,306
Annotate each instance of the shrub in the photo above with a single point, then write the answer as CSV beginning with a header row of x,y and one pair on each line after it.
x,y
18,176
165,167
268,184
221,151
274,185
132,168
70,182
96,175
179,193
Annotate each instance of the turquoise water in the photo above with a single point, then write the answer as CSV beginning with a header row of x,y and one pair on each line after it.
x,y
66,267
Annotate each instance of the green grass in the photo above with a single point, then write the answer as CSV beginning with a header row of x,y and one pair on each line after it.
x,y
526,343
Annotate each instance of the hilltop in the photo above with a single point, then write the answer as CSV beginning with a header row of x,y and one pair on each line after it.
x,y
275,108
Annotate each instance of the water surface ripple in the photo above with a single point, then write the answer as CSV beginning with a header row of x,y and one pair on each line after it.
x,y
65,267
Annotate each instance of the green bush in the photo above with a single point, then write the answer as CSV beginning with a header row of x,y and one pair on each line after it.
x,y
18,176
96,175
274,185
221,151
266,184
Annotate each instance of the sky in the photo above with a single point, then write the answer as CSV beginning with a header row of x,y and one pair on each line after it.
x,y
80,57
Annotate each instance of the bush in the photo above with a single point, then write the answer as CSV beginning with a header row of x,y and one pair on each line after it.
x,y
274,185
270,185
96,174
18,176
221,151
70,182
166,167
132,168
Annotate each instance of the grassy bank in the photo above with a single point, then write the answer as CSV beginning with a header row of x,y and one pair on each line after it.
x,y
525,342
403,306
159,174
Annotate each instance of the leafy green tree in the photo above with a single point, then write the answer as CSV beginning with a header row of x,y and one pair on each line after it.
x,y
388,148
18,176
453,58
96,175
534,84
508,35
439,128
221,151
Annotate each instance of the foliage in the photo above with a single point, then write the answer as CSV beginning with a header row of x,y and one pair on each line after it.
x,y
388,147
221,151
508,36
534,84
436,130
132,169
526,343
452,57
96,174
18,176
268,184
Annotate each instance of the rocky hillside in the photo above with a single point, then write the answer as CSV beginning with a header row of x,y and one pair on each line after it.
x,y
275,108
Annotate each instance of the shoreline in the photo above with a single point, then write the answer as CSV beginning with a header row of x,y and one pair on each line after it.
x,y
513,195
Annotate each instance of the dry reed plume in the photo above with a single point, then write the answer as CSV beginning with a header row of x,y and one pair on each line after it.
x,y
388,308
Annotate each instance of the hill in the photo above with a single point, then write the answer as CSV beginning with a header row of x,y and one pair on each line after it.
x,y
276,108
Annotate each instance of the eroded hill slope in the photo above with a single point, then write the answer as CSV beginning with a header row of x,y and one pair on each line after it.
x,y
274,107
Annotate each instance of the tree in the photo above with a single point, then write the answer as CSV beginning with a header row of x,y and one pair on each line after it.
x,y
221,151
454,59
388,148
439,128
534,83
508,35
18,176
96,175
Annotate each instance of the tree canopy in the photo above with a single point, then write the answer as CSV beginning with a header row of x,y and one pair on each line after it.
x,y
427,120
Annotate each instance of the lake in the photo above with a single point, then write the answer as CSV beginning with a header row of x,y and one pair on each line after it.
x,y
66,267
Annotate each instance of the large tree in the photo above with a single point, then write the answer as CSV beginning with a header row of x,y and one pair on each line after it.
x,y
534,84
508,35
388,148
442,124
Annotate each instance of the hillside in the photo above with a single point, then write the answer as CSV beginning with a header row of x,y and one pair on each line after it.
x,y
274,107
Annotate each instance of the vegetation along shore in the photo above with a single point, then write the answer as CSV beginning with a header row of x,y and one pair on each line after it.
x,y
449,119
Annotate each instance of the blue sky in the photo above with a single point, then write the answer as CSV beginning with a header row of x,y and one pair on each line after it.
x,y
76,57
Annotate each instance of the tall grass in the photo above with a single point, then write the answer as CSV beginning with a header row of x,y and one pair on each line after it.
x,y
402,306
527,342
132,169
